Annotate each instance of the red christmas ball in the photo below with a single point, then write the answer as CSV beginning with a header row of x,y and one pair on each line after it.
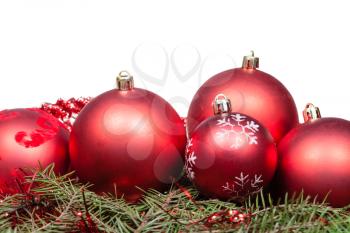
x,y
128,137
230,155
254,93
315,158
29,137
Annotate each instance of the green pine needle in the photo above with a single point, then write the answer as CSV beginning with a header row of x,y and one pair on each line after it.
x,y
61,208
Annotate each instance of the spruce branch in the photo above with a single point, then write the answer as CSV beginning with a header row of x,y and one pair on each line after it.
x,y
50,203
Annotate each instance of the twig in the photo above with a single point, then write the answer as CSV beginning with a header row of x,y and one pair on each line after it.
x,y
68,206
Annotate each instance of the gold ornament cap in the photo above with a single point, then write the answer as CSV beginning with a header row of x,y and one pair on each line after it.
x,y
311,112
125,81
250,61
221,104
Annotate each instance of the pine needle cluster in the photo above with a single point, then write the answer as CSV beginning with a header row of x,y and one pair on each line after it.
x,y
62,204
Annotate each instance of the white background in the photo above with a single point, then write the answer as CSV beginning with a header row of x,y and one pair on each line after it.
x,y
71,48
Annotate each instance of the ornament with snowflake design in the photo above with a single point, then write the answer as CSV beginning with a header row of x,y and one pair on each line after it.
x,y
190,160
230,155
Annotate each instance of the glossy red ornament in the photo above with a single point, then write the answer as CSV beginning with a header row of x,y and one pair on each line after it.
x,y
254,93
27,137
230,155
128,137
315,157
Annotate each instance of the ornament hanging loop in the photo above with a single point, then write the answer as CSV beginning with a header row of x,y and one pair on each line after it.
x,y
221,104
311,113
250,61
125,81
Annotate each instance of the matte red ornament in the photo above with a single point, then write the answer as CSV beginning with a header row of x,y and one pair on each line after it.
x,y
315,158
230,155
128,137
254,93
27,137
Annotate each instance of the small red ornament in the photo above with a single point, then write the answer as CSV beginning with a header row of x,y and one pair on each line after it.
x,y
315,157
230,155
27,137
128,137
254,93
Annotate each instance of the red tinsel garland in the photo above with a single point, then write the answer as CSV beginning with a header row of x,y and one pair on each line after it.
x,y
66,110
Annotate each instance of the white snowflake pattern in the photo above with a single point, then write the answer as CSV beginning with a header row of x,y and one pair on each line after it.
x,y
239,129
256,182
190,158
243,185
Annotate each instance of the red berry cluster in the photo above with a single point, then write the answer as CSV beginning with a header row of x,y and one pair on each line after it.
x,y
66,110
228,217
